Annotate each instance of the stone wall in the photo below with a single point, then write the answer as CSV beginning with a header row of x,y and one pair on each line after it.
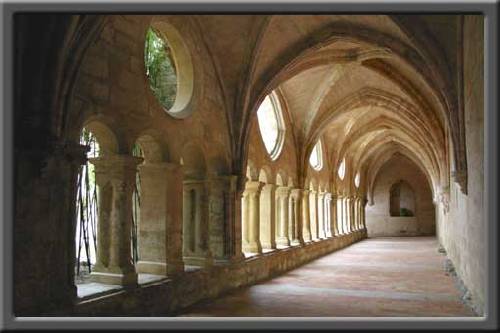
x,y
378,220
166,297
462,231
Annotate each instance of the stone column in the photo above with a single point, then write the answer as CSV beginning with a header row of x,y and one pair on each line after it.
x,y
352,219
363,213
296,233
251,241
314,214
267,217
196,232
234,212
321,215
115,177
306,222
328,209
63,165
334,215
283,196
347,216
220,221
160,232
359,213
340,215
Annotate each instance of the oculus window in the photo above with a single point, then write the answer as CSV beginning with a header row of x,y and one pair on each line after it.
x,y
341,170
271,125
160,68
169,69
357,179
316,157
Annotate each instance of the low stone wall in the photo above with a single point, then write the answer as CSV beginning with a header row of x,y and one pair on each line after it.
x,y
165,298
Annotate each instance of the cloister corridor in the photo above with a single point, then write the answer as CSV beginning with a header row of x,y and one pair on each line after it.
x,y
376,277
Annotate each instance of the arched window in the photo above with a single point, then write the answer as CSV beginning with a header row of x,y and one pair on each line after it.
x,y
169,68
136,205
316,157
271,125
357,180
341,170
86,211
401,200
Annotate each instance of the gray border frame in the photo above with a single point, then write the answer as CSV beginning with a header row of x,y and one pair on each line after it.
x,y
488,8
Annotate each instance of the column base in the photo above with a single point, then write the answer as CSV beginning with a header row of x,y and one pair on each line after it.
x,y
252,248
194,260
295,242
269,246
151,267
282,241
159,268
128,279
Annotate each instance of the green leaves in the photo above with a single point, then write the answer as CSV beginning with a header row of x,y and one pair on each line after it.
x,y
160,68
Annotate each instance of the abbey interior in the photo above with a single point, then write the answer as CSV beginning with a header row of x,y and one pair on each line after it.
x,y
249,165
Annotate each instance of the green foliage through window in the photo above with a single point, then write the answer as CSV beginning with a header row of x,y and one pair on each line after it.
x,y
405,212
160,68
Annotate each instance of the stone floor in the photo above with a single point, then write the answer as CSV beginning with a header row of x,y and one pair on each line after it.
x,y
379,277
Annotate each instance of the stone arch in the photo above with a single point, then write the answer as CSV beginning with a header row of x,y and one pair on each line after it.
x,y
153,149
401,196
281,178
251,171
106,137
265,175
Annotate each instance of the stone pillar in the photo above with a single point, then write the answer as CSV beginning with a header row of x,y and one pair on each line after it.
x,y
363,213
350,205
321,215
347,215
296,232
334,215
251,241
358,213
220,221
267,217
306,222
196,250
328,209
45,227
64,166
234,212
160,232
314,214
115,177
340,215
283,196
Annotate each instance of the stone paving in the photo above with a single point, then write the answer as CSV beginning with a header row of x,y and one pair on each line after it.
x,y
378,277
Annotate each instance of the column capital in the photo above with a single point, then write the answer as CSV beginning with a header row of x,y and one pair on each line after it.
x,y
296,193
283,190
268,187
305,191
328,196
115,168
253,186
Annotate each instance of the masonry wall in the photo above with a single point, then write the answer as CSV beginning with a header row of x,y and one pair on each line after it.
x,y
378,219
165,298
462,231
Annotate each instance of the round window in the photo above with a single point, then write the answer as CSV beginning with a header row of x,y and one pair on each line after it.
x,y
271,125
316,157
341,171
357,180
168,68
